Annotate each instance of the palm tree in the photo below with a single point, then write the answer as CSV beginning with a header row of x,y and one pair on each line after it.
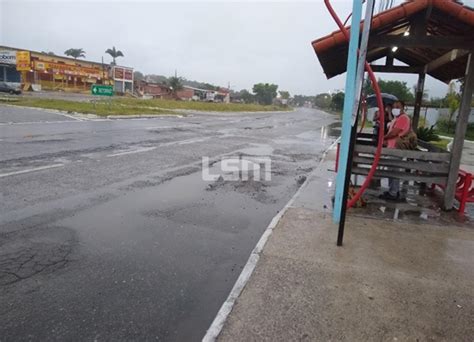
x,y
75,53
176,84
114,53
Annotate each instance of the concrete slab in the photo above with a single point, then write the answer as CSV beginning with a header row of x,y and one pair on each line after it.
x,y
390,281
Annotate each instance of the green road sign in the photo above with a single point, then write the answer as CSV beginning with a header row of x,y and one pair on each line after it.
x,y
102,90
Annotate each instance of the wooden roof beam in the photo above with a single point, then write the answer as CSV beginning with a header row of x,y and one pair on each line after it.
x,y
446,58
397,69
435,42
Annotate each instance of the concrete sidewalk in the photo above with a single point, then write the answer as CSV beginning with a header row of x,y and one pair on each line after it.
x,y
391,280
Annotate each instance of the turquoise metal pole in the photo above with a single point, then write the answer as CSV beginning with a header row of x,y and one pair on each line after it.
x,y
348,107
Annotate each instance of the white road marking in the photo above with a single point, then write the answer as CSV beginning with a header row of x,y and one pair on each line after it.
x,y
145,149
30,170
70,116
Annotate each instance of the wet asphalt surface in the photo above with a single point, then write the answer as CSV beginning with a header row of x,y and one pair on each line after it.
x,y
108,232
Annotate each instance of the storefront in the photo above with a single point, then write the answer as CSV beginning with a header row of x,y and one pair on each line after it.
x,y
42,71
8,72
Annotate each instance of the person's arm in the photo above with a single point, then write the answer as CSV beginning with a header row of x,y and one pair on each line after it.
x,y
393,133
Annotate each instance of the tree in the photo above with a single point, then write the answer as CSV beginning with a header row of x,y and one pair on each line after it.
x,y
425,96
114,53
337,101
50,53
285,95
265,92
437,102
176,84
75,53
397,88
301,100
452,100
323,100
138,76
246,96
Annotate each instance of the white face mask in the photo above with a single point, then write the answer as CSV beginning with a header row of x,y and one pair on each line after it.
x,y
396,111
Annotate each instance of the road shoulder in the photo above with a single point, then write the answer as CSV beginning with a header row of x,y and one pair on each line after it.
x,y
389,281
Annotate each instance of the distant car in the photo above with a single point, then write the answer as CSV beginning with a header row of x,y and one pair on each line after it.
x,y
7,88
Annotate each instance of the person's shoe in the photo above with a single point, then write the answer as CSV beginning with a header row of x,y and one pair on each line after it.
x,y
389,197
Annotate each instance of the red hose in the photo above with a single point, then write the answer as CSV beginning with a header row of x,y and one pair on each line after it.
x,y
376,88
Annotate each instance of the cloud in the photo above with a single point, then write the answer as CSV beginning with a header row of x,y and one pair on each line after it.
x,y
218,42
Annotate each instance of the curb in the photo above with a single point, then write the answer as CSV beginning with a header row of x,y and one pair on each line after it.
x,y
138,116
218,323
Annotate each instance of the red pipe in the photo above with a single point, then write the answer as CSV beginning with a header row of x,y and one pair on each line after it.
x,y
376,88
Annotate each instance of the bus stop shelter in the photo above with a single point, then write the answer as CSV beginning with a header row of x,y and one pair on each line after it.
x,y
423,37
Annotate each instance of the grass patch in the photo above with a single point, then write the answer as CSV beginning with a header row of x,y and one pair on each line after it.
x,y
132,106
100,108
442,143
201,106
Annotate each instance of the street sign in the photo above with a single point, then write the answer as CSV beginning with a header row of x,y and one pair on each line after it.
x,y
102,90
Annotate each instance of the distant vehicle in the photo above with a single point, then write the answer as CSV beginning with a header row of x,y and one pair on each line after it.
x,y
7,88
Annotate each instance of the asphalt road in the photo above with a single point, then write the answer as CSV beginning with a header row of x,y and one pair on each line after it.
x,y
109,232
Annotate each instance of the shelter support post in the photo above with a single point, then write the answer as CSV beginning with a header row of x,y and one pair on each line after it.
x,y
461,127
418,100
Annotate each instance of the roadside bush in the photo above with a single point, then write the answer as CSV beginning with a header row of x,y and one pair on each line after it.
x,y
445,127
427,134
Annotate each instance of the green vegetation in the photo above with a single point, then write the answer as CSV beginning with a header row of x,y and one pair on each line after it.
x,y
323,100
201,106
176,84
101,108
75,53
446,127
114,53
284,94
441,143
337,102
300,100
265,93
427,134
397,88
131,106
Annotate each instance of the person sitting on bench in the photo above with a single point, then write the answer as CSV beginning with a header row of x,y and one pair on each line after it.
x,y
399,127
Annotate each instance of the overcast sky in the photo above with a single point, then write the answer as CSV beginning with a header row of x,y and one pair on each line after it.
x,y
217,42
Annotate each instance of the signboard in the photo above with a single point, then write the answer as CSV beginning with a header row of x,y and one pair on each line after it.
x,y
102,90
23,61
123,74
118,73
128,74
67,69
8,57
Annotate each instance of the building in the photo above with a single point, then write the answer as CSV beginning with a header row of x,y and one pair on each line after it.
x,y
196,94
8,72
188,94
155,90
42,71
122,78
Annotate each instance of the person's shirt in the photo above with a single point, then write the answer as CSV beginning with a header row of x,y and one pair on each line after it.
x,y
401,122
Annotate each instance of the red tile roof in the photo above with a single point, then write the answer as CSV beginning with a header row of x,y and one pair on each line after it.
x,y
448,16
